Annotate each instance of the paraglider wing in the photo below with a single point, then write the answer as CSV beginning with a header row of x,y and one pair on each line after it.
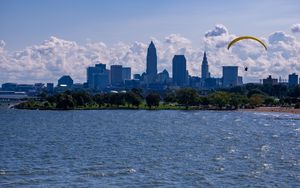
x,y
246,37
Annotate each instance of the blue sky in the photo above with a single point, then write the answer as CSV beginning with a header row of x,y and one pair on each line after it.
x,y
29,22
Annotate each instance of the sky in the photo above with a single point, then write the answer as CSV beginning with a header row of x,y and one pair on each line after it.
x,y
81,32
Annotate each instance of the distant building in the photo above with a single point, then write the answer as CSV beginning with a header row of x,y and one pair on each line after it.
x,y
205,68
270,81
126,73
28,88
230,76
98,77
240,81
116,75
39,87
163,77
50,88
195,82
211,83
137,76
293,79
65,80
9,87
130,84
179,70
151,70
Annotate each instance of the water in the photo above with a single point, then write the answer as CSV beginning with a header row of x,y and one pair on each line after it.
x,y
148,148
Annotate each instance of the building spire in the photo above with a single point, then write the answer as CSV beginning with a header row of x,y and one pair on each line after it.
x,y
205,69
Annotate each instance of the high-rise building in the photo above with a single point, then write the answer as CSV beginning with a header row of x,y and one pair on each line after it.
x,y
230,76
116,72
66,81
98,77
179,70
126,73
293,79
270,81
204,68
151,70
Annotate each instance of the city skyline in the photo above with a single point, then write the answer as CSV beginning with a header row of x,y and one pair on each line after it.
x,y
47,55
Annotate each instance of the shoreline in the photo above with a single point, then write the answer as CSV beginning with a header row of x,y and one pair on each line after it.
x,y
289,110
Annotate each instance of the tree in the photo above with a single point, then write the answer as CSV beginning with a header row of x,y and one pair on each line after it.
x,y
219,99
269,101
82,98
170,97
133,99
237,100
294,92
203,100
187,97
255,91
117,99
256,100
152,99
99,99
65,102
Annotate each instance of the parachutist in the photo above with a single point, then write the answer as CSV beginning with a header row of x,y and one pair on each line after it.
x,y
246,68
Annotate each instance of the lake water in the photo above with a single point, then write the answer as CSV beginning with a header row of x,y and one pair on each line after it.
x,y
148,148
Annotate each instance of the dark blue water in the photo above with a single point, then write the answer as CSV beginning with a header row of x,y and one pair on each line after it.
x,y
148,148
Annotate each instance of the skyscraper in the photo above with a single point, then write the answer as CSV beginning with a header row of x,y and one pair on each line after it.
x,y
293,79
179,70
151,70
230,76
205,69
97,77
116,72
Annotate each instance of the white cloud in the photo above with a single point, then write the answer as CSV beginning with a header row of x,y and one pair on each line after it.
x,y
219,30
296,28
54,57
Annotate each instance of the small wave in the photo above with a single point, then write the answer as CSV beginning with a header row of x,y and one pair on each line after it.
x,y
2,172
267,166
131,170
265,148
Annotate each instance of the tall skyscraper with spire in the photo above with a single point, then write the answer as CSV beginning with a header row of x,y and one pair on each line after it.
x,y
205,71
151,70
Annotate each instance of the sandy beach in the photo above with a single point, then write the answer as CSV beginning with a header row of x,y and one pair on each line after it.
x,y
274,109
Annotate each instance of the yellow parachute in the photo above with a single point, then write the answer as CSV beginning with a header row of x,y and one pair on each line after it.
x,y
246,37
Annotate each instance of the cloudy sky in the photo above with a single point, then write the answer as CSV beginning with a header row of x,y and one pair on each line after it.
x,y
42,40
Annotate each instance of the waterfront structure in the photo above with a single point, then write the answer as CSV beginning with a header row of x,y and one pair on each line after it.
x,y
230,76
293,79
151,69
66,81
205,68
179,70
270,81
116,75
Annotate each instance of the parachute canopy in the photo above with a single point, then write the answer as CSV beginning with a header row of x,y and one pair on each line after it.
x,y
246,37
